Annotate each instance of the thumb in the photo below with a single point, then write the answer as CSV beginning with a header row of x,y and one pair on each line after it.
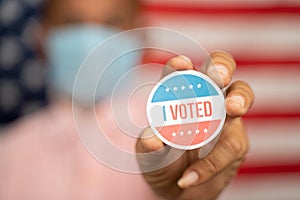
x,y
149,142
160,164
153,154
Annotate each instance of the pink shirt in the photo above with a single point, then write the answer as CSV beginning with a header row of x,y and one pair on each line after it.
x,y
41,157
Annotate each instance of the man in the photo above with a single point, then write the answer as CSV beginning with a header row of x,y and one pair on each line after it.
x,y
42,157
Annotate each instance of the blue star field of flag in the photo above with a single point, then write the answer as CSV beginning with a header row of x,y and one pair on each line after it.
x,y
22,76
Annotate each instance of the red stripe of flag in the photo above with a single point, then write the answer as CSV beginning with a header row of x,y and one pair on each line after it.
x,y
261,61
272,169
219,10
241,61
272,115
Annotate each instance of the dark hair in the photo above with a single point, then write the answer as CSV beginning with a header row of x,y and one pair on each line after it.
x,y
47,6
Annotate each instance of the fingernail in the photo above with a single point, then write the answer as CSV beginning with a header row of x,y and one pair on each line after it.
x,y
236,101
188,179
219,74
187,59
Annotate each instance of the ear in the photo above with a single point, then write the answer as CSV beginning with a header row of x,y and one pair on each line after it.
x,y
139,18
40,35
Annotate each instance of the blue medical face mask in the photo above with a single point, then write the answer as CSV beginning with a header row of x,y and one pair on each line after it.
x,y
68,47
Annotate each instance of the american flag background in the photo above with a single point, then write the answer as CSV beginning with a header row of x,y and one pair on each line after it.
x,y
262,35
264,38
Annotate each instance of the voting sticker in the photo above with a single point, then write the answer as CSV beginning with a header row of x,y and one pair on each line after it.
x,y
186,109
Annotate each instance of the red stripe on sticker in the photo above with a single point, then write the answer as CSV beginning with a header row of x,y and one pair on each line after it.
x,y
190,133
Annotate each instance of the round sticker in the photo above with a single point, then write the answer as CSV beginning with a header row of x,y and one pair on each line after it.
x,y
186,109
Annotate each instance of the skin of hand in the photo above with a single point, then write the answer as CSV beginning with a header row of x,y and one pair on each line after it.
x,y
190,177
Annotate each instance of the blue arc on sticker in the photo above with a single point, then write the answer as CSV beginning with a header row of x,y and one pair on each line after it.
x,y
183,86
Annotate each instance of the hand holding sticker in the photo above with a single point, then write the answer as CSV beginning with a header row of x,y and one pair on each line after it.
x,y
190,177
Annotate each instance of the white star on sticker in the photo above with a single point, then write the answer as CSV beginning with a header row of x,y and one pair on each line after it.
x,y
205,130
181,133
174,134
191,86
175,88
167,89
199,85
189,132
197,131
183,87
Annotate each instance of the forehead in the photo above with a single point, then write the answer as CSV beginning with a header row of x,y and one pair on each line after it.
x,y
59,12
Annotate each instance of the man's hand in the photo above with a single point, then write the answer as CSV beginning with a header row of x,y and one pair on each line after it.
x,y
190,177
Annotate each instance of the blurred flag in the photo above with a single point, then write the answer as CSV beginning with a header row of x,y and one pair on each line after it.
x,y
264,38
22,77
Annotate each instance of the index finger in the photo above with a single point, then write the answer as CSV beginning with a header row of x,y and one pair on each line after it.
x,y
177,63
220,66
